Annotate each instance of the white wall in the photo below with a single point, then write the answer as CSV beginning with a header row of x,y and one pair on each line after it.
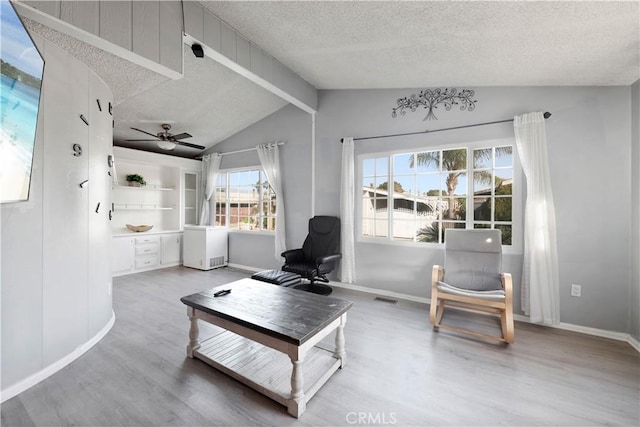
x,y
634,300
293,126
55,269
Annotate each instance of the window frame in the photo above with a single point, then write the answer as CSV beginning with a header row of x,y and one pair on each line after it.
x,y
517,217
261,174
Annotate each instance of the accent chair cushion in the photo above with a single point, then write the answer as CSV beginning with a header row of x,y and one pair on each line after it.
x,y
473,259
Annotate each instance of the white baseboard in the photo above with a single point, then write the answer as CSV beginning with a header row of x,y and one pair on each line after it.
x,y
245,267
618,336
34,379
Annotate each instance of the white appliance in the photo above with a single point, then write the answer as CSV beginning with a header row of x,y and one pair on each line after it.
x,y
205,247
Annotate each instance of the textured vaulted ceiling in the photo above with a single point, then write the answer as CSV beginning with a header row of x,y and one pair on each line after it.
x,y
338,45
210,102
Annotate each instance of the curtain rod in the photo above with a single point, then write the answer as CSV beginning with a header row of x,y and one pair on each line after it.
x,y
546,115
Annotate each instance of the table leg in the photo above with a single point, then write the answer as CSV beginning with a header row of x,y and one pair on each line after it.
x,y
297,403
340,352
194,332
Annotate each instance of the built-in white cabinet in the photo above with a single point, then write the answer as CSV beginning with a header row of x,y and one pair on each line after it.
x,y
141,252
171,249
122,255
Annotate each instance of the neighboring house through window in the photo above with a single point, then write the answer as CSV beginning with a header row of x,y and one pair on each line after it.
x,y
244,200
414,196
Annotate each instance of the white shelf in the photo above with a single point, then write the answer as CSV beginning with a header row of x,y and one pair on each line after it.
x,y
189,189
144,187
133,207
189,207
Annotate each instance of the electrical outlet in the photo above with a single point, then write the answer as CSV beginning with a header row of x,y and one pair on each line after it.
x,y
576,290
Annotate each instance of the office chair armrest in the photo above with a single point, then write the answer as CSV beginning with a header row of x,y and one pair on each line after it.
x,y
293,256
327,259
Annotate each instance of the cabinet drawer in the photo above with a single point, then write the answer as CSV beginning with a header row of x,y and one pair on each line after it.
x,y
146,262
146,249
147,240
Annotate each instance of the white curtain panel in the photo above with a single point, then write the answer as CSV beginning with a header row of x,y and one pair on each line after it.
x,y
540,281
347,212
210,170
270,160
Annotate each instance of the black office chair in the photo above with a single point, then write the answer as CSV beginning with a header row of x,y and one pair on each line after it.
x,y
318,256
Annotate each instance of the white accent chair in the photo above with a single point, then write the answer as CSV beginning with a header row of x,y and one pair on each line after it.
x,y
471,278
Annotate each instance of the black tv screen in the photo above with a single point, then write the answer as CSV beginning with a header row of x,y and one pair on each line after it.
x,y
21,69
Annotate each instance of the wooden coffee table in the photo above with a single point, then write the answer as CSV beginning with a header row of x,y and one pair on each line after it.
x,y
270,337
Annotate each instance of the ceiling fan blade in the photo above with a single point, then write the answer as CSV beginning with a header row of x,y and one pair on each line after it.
x,y
186,144
139,140
181,136
144,131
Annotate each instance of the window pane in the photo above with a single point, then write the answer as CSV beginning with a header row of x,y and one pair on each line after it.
x,y
477,226
402,164
455,208
381,228
482,208
428,161
403,208
382,166
503,209
482,183
429,233
506,233
380,205
504,156
504,182
404,185
458,183
428,185
403,230
482,158
454,160
368,168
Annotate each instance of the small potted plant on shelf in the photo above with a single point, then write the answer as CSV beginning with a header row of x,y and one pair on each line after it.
x,y
136,180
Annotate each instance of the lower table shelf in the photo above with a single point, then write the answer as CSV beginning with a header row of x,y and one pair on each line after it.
x,y
264,369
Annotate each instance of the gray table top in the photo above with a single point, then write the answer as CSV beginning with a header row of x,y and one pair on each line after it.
x,y
288,314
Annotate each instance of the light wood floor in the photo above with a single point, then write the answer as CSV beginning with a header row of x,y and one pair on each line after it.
x,y
399,372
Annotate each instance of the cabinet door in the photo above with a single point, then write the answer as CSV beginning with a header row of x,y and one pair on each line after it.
x,y
171,249
122,255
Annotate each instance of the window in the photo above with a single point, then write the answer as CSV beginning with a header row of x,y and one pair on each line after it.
x,y
244,200
415,196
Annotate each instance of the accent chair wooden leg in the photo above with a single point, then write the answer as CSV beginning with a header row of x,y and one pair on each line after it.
x,y
507,326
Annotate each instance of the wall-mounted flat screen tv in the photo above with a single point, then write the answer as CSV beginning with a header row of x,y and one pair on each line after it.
x,y
21,69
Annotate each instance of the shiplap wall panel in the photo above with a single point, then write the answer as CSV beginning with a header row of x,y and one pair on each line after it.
x,y
243,51
228,41
65,206
211,31
146,29
256,60
50,7
171,35
193,20
81,14
114,16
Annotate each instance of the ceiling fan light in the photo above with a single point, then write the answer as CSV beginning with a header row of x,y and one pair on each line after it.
x,y
166,145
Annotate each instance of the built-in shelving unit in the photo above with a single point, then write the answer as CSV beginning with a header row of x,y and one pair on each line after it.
x,y
167,201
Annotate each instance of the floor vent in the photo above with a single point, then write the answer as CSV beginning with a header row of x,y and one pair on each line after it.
x,y
387,300
216,261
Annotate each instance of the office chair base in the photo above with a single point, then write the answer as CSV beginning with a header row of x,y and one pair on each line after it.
x,y
316,288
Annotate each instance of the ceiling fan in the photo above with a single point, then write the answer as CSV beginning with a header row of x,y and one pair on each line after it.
x,y
166,140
